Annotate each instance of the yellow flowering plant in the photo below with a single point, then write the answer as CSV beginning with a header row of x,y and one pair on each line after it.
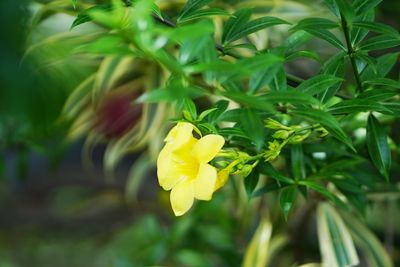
x,y
183,166
284,143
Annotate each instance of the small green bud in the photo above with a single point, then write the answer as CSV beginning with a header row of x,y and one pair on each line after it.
x,y
274,150
187,115
275,125
299,138
246,170
282,134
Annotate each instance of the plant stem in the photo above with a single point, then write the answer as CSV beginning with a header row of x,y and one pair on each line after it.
x,y
351,52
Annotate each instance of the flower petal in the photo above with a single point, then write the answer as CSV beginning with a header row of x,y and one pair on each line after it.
x,y
167,170
180,135
207,147
222,178
182,196
204,184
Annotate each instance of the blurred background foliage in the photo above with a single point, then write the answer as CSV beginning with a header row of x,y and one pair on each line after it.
x,y
78,186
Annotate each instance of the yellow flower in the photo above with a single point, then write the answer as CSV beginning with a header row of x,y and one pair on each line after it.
x,y
182,166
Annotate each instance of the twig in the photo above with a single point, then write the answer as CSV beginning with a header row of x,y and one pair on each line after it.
x,y
351,52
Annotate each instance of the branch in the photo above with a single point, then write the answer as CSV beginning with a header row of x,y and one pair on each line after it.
x,y
351,52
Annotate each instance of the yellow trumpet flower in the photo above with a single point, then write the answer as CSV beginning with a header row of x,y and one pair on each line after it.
x,y
182,166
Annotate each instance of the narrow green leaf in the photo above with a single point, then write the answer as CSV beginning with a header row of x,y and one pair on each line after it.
x,y
356,105
257,251
323,191
190,107
327,121
372,247
191,6
158,95
378,146
267,169
358,34
252,125
384,64
380,42
334,66
336,245
320,23
286,199
363,6
376,27
204,13
297,160
239,18
384,82
377,95
318,84
74,2
249,100
254,26
303,54
84,15
263,77
250,182
327,36
279,82
289,96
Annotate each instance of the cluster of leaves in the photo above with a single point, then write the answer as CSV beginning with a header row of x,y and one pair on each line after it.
x,y
351,97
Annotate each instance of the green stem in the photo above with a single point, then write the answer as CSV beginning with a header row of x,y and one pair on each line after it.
x,y
351,52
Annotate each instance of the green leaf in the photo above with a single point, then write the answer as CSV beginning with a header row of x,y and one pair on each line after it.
x,y
258,249
384,64
191,6
253,127
289,96
220,106
263,77
239,18
296,40
267,169
372,247
362,6
376,27
384,82
356,105
286,199
378,146
323,191
380,42
155,96
279,82
377,95
204,13
190,107
358,34
336,245
327,36
269,187
74,2
297,160
318,84
250,182
252,27
249,100
84,15
320,23
334,66
303,54
327,121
